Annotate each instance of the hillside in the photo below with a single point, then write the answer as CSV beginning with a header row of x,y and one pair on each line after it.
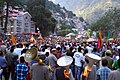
x,y
65,17
89,9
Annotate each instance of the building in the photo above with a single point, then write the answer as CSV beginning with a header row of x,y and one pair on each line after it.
x,y
19,21
23,23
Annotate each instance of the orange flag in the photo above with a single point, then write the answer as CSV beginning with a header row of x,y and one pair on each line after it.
x,y
100,33
32,39
13,39
40,38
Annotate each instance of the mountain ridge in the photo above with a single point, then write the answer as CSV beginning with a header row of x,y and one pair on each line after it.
x,y
90,10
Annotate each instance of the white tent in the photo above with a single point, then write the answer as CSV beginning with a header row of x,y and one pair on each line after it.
x,y
91,40
70,34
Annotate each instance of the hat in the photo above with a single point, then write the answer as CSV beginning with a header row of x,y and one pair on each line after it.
x,y
58,46
108,51
53,49
118,47
3,47
65,61
93,56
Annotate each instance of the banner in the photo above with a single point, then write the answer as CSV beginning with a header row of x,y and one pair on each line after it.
x,y
13,39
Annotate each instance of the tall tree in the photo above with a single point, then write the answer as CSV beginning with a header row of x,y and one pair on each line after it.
x,y
1,14
42,16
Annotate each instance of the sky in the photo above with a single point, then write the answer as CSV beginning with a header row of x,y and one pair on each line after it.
x,y
51,0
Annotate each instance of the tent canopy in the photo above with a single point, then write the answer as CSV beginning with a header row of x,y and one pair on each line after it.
x,y
70,34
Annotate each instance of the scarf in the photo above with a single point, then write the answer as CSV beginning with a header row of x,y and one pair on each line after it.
x,y
86,71
67,73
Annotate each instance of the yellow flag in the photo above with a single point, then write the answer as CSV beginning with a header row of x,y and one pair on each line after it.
x,y
13,39
88,34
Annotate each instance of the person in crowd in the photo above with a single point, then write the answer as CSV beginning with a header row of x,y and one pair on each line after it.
x,y
52,61
71,53
13,65
89,48
9,56
79,61
103,72
89,72
115,64
23,52
115,75
17,51
21,69
3,65
63,72
95,51
58,51
109,59
1,70
40,71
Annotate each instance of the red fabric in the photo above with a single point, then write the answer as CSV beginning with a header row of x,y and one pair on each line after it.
x,y
99,43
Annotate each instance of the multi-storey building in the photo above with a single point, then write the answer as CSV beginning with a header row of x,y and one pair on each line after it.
x,y
19,21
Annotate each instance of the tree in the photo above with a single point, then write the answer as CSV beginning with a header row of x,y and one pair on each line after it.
x,y
1,14
109,22
42,16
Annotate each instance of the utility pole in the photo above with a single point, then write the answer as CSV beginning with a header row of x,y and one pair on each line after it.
x,y
6,16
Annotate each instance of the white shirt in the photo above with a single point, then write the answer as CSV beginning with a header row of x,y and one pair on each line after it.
x,y
78,57
17,51
1,70
89,49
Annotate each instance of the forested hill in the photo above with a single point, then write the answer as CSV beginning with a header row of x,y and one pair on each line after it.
x,y
65,17
89,9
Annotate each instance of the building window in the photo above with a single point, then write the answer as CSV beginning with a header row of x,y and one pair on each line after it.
x,y
19,22
26,25
26,30
18,29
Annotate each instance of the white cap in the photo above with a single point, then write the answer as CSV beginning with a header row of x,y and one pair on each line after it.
x,y
65,61
58,46
93,56
118,47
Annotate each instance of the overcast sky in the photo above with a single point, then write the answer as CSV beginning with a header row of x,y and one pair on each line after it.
x,y
51,0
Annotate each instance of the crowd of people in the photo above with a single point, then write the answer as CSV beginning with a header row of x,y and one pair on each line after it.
x,y
64,60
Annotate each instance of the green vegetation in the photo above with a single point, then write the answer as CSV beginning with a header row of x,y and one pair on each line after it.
x,y
42,16
110,22
40,11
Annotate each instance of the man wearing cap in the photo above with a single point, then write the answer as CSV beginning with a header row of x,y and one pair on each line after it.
x,y
109,59
52,60
64,72
90,70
